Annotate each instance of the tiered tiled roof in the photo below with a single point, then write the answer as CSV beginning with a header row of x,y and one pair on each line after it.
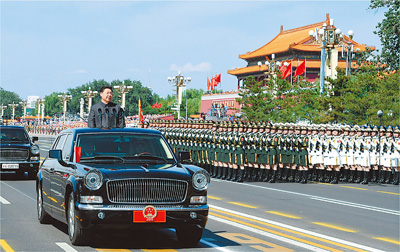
x,y
289,40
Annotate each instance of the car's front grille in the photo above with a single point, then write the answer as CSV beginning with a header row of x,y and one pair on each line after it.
x,y
13,155
147,191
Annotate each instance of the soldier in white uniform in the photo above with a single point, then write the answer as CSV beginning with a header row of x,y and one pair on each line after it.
x,y
344,149
358,157
396,155
365,152
334,154
387,143
374,153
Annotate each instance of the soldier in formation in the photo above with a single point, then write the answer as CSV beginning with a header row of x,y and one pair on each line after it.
x,y
260,151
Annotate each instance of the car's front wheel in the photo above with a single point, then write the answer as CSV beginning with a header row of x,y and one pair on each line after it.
x,y
43,216
77,235
189,236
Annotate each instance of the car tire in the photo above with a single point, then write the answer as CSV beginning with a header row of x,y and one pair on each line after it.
x,y
77,235
189,236
43,216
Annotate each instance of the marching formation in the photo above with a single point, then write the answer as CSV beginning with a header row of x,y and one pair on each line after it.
x,y
249,151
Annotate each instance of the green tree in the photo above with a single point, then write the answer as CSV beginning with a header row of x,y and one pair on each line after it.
x,y
389,32
8,97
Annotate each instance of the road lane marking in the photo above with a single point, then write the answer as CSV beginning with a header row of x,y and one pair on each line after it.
x,y
215,198
5,246
18,191
387,240
389,192
283,214
241,204
66,247
113,250
268,233
247,240
371,208
307,233
334,227
285,235
356,205
214,246
4,201
352,187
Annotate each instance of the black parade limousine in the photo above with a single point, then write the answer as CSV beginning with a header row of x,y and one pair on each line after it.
x,y
121,178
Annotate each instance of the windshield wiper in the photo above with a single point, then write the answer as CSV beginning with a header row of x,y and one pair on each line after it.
x,y
146,157
102,158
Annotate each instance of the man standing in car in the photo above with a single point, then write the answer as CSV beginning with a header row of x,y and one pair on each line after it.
x,y
106,114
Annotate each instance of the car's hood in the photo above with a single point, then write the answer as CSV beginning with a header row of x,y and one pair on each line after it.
x,y
121,171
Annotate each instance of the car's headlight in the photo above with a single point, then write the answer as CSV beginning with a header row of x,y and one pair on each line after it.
x,y
35,149
201,180
94,179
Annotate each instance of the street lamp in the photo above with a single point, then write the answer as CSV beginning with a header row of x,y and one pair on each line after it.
x,y
329,36
123,89
2,107
272,65
179,81
64,98
13,106
24,103
89,94
39,102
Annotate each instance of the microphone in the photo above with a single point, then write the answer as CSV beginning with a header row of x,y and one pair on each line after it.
x,y
115,112
100,112
107,112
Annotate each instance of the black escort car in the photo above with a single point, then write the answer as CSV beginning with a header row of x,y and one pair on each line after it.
x,y
18,152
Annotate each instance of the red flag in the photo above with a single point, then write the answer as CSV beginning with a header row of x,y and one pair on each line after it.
x,y
266,57
154,105
300,69
208,84
159,105
141,119
282,69
288,71
217,79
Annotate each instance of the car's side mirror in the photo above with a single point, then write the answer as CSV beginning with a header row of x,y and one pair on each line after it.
x,y
35,138
183,156
57,154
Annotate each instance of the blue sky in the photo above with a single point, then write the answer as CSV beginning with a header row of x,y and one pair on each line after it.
x,y
50,46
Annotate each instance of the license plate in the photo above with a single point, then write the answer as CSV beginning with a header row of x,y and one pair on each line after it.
x,y
10,166
150,216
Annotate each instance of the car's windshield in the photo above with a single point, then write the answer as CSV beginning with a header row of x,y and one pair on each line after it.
x,y
124,147
13,135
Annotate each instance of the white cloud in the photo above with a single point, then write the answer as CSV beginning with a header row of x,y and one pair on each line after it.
x,y
189,67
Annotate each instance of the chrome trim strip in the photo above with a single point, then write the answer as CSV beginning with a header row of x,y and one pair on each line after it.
x,y
172,208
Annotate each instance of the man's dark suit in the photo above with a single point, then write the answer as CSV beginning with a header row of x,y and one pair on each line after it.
x,y
106,116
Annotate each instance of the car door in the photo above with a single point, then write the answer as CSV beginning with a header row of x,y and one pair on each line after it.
x,y
47,170
60,177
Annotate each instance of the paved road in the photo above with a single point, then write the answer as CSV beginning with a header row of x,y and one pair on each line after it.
x,y
243,217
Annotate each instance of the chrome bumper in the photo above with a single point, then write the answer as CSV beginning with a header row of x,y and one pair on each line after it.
x,y
172,208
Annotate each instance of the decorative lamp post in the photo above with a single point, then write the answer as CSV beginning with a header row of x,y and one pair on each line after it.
x,y
24,104
89,94
272,65
179,81
349,52
329,37
123,89
39,102
13,106
64,98
2,107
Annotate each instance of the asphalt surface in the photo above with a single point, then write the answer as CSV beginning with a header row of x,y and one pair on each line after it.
x,y
243,217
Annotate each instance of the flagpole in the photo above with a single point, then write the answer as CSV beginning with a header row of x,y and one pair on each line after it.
x,y
305,69
291,72
296,70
